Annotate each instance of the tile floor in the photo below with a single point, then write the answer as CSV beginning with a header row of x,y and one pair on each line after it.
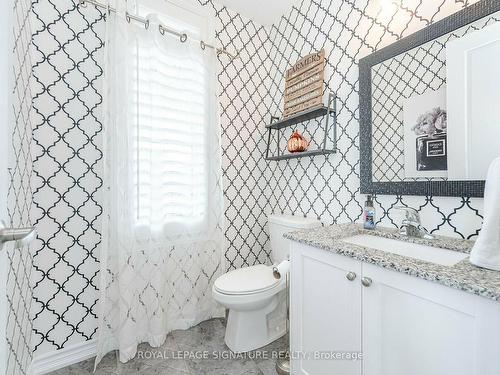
x,y
207,337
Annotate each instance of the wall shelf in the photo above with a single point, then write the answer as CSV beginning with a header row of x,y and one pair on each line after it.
x,y
301,154
306,115
329,111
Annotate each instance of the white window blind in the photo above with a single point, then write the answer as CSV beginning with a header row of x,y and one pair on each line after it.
x,y
170,138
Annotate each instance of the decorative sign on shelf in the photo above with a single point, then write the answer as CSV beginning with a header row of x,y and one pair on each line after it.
x,y
304,84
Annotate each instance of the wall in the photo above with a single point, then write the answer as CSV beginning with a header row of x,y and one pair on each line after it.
x,y
19,196
6,17
4,71
67,46
66,171
328,187
245,103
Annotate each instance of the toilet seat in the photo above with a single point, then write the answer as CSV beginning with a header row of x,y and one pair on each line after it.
x,y
256,302
248,280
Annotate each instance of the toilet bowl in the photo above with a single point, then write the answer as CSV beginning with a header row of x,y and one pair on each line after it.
x,y
255,299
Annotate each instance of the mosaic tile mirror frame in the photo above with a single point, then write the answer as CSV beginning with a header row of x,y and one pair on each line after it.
x,y
411,67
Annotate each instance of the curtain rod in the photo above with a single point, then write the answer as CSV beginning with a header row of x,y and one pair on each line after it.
x,y
161,28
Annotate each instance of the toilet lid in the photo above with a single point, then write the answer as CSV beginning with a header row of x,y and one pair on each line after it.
x,y
246,280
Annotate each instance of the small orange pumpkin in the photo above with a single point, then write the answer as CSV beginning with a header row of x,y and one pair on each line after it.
x,y
297,142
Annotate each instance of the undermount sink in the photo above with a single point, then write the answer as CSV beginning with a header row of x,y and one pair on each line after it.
x,y
422,252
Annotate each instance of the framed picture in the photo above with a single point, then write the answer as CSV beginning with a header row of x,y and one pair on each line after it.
x,y
425,135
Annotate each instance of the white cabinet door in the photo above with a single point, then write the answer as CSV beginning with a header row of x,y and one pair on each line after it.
x,y
473,79
325,311
415,327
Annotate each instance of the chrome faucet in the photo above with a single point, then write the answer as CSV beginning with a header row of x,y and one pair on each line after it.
x,y
411,226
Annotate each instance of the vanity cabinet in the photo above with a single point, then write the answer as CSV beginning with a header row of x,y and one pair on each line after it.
x,y
322,296
402,324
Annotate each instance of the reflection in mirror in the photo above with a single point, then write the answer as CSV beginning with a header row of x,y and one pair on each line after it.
x,y
473,75
410,118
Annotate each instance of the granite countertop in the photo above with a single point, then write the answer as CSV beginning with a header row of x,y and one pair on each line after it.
x,y
463,276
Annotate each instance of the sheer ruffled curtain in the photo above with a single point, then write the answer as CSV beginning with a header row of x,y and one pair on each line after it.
x,y
162,240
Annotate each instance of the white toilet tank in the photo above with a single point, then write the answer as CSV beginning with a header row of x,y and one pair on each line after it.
x,y
281,224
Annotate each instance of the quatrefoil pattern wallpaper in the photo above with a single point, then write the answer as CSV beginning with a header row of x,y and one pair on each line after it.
x,y
328,187
67,43
19,196
67,47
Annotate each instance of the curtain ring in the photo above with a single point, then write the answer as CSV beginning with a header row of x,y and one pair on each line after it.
x,y
184,38
146,24
127,17
202,44
161,29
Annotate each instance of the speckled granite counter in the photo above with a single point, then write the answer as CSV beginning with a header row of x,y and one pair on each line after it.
x,y
464,275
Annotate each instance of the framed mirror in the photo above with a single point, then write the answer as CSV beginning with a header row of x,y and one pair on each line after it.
x,y
410,142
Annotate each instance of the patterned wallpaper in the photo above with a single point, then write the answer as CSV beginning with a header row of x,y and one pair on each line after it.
x,y
245,109
66,168
328,187
67,45
19,196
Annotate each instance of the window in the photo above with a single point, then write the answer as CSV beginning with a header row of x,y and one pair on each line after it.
x,y
171,107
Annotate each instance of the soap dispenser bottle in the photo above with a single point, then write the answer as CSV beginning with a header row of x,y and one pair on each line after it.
x,y
369,214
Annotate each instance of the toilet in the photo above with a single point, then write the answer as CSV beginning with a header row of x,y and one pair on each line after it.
x,y
255,299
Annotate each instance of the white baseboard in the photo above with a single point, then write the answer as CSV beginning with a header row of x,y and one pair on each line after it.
x,y
48,362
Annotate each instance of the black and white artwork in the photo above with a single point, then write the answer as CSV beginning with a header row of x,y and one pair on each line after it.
x,y
425,139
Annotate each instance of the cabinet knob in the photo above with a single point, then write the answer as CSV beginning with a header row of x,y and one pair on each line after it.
x,y
351,276
366,281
